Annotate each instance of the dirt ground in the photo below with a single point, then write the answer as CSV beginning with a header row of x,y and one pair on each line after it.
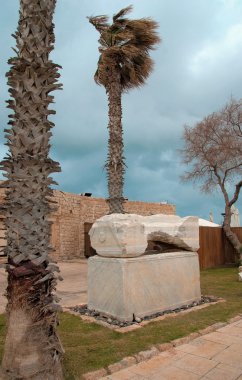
x,y
72,290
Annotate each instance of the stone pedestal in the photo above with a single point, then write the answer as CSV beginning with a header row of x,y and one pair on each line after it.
x,y
141,286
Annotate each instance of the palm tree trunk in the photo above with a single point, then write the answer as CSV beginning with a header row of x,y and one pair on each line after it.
x,y
32,348
115,160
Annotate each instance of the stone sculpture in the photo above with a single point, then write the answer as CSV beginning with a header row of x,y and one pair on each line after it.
x,y
127,235
125,281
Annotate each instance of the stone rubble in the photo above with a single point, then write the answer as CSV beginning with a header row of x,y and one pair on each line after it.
x,y
83,310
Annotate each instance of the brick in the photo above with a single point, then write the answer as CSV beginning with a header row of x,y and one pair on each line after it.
x,y
128,361
164,346
145,355
95,375
207,330
112,368
185,339
193,335
235,319
219,325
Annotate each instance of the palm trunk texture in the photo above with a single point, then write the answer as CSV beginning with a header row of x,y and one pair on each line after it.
x,y
115,160
32,348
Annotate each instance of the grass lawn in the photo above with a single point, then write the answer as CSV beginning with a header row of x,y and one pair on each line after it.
x,y
89,346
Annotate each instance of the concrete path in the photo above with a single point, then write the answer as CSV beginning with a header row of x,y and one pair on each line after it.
x,y
72,290
215,356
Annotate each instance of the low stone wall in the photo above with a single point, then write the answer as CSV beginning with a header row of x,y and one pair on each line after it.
x,y
74,210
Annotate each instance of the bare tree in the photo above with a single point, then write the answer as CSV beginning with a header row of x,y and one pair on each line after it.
x,y
213,152
32,348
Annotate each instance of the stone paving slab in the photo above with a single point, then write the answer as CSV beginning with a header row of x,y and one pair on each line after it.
x,y
232,330
202,347
238,324
223,372
214,356
223,338
230,357
171,372
196,364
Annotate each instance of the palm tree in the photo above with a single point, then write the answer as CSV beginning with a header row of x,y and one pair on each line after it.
x,y
124,63
32,348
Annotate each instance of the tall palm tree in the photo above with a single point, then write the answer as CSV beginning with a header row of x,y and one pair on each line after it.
x,y
124,63
32,348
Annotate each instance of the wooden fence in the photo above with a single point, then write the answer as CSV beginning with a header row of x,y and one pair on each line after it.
x,y
215,249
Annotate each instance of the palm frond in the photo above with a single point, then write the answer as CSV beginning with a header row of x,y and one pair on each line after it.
x,y
122,13
99,22
125,47
144,32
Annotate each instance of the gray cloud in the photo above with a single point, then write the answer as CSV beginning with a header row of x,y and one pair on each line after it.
x,y
197,68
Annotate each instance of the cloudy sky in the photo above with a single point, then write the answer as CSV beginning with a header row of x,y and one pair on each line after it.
x,y
197,69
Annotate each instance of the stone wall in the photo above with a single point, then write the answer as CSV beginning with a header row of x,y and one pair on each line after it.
x,y
74,210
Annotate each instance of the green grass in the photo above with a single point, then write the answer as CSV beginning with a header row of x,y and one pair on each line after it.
x,y
89,346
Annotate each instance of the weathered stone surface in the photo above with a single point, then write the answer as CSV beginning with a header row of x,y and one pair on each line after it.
x,y
128,361
135,287
164,346
145,355
122,364
171,229
95,375
119,235
112,368
127,235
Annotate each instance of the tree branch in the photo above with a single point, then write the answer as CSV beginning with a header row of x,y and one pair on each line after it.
x,y
236,193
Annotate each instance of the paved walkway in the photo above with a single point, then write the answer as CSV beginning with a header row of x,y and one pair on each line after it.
x,y
72,291
215,356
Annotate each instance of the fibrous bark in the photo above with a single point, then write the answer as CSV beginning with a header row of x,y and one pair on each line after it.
x,y
115,161
124,63
32,348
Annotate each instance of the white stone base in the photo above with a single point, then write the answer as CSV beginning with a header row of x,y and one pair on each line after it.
x,y
141,286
